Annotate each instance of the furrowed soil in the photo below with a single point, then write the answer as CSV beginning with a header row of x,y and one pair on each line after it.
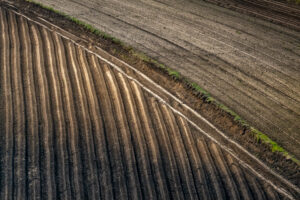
x,y
250,65
74,125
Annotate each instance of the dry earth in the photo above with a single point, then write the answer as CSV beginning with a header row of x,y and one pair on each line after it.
x,y
248,64
75,126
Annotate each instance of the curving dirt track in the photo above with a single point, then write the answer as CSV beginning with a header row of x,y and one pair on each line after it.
x,y
248,64
74,126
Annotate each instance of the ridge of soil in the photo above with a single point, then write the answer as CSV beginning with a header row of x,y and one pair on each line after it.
x,y
218,117
280,12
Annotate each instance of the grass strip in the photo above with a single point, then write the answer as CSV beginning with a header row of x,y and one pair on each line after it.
x,y
206,96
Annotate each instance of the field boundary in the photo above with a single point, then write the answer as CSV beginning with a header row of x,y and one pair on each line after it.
x,y
206,95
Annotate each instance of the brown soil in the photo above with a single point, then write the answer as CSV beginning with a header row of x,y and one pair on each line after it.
x,y
248,64
78,121
285,13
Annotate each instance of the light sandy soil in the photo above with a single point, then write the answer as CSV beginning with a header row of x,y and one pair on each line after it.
x,y
248,64
73,126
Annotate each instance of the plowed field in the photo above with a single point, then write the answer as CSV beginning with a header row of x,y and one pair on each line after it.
x,y
248,64
73,126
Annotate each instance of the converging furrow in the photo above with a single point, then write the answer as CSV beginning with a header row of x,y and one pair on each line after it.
x,y
74,127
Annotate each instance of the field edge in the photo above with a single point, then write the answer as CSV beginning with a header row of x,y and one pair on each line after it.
x,y
260,137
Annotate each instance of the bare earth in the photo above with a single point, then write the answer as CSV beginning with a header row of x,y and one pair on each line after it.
x,y
248,64
75,126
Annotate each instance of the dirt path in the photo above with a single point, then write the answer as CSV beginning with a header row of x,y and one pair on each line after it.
x,y
248,64
77,127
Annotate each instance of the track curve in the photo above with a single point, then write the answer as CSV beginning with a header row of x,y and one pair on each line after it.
x,y
248,64
74,127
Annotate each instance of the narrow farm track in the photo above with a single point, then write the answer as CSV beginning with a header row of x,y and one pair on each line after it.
x,y
248,64
74,127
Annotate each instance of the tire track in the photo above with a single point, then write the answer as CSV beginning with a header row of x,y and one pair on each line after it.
x,y
78,128
246,51
180,38
246,107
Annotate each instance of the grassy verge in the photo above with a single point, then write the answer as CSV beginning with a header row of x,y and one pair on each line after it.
x,y
261,137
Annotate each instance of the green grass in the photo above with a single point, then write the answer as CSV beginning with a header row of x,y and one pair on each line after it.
x,y
261,137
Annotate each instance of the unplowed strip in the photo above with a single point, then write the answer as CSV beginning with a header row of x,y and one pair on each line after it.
x,y
75,126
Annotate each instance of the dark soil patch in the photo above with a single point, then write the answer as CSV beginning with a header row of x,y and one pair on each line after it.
x,y
196,100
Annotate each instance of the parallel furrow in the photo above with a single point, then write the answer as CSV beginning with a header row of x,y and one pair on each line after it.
x,y
6,112
124,134
19,177
168,157
59,136
216,184
241,182
222,166
98,122
75,127
84,127
91,106
32,142
74,164
180,154
151,142
118,185
256,189
136,133
195,161
44,115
